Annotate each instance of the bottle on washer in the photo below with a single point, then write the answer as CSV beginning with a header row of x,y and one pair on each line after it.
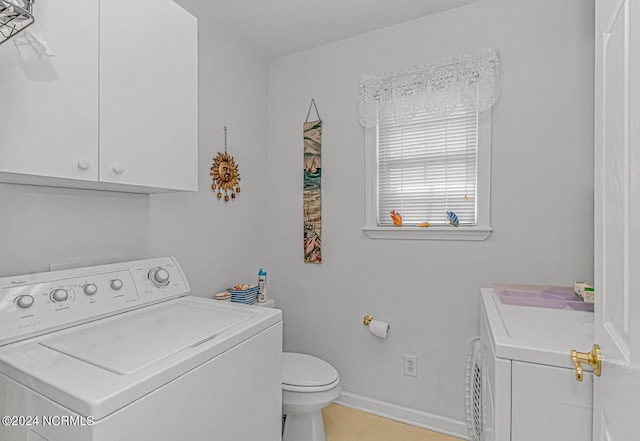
x,y
262,285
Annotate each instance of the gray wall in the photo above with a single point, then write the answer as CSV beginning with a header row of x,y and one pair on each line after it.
x,y
428,291
40,226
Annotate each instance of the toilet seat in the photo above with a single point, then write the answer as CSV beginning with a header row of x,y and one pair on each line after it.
x,y
305,373
309,389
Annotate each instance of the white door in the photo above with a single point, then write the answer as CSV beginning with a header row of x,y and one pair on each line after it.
x,y
49,107
148,94
616,410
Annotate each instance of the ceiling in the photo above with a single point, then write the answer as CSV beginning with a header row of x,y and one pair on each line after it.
x,y
280,27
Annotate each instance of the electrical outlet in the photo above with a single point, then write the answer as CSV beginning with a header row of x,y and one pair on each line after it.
x,y
410,365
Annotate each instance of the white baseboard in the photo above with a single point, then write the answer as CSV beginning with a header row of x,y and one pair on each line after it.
x,y
406,415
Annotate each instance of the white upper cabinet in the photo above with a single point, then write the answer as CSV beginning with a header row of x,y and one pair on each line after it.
x,y
114,109
148,94
48,122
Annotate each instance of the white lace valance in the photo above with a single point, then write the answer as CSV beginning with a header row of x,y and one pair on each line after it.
x,y
469,80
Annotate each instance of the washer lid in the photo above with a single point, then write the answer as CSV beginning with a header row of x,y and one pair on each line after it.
x,y
134,342
535,334
306,370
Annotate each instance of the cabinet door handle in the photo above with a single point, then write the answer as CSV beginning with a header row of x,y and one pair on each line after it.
x,y
118,168
84,164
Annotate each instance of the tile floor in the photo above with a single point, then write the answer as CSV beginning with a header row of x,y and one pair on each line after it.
x,y
345,424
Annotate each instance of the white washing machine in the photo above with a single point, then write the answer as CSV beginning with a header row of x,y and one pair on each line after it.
x,y
121,352
528,387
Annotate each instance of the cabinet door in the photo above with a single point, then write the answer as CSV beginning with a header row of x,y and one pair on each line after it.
x,y
148,94
49,117
549,404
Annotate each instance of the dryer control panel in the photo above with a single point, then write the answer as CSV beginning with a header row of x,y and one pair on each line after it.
x,y
33,304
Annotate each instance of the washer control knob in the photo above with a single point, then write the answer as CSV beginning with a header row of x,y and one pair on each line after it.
x,y
116,284
25,301
90,289
159,276
59,295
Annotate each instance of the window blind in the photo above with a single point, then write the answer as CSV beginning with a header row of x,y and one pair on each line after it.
x,y
428,165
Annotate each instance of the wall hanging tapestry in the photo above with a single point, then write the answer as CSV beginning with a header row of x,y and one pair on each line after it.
x,y
225,174
312,200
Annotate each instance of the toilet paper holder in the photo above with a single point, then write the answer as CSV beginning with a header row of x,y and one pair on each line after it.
x,y
376,328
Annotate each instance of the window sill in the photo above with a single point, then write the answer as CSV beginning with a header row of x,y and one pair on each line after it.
x,y
428,233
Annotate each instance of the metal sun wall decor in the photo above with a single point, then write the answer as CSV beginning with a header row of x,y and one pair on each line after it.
x,y
225,174
312,200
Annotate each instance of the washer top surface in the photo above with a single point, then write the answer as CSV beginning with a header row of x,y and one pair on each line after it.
x,y
136,341
535,334
99,367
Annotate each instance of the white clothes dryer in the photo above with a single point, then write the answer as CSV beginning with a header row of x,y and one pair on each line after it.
x,y
528,387
121,352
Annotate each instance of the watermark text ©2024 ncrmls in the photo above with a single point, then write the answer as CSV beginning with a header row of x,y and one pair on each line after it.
x,y
47,420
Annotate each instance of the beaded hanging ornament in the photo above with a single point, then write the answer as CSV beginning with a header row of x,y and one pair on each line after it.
x,y
225,174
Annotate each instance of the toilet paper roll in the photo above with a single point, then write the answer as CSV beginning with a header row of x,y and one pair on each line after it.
x,y
379,329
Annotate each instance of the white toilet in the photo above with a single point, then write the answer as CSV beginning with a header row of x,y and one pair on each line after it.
x,y
309,384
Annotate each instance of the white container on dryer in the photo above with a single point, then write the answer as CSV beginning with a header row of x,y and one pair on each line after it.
x,y
529,390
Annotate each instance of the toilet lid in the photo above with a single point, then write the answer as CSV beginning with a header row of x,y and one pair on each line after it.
x,y
306,370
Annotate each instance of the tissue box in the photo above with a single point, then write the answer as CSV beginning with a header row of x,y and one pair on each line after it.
x,y
584,292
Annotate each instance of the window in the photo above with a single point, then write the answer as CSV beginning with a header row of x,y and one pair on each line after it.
x,y
428,147
427,166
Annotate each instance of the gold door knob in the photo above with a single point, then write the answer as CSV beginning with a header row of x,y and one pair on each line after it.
x,y
592,358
